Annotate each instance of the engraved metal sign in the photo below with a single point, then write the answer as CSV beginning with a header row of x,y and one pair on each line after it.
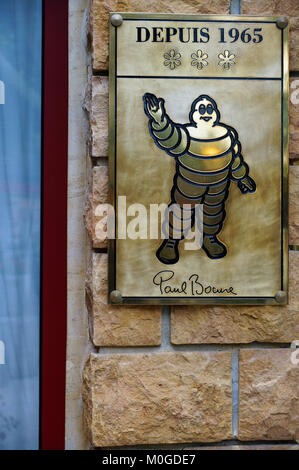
x,y
198,159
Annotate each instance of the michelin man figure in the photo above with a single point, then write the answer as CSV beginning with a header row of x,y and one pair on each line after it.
x,y
208,157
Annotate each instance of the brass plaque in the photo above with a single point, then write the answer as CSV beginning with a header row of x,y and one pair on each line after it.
x,y
198,159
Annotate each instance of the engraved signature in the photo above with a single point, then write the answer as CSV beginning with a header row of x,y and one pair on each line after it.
x,y
191,286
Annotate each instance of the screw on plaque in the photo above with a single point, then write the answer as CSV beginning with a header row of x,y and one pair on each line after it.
x,y
116,297
281,296
116,19
282,22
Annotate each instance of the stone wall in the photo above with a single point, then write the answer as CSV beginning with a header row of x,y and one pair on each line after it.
x,y
78,246
196,374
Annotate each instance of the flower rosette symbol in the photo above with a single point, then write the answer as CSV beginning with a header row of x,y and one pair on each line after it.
x,y
226,60
172,59
199,59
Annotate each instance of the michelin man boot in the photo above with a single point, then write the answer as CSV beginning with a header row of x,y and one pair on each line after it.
x,y
213,247
168,253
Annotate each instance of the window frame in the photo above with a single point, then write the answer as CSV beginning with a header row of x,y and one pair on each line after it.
x,y
54,224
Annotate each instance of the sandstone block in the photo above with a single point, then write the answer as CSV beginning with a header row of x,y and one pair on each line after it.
x,y
270,7
99,110
158,398
294,206
294,116
268,395
118,325
95,221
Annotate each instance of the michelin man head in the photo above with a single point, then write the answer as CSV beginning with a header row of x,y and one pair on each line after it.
x,y
204,112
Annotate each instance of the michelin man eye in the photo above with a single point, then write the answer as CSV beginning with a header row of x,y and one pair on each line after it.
x,y
209,109
202,109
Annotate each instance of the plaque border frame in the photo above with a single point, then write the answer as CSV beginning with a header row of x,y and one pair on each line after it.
x,y
112,164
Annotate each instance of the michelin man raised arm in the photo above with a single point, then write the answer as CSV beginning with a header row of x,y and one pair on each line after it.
x,y
208,157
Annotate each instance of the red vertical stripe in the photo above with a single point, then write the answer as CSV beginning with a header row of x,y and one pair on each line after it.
x,y
54,223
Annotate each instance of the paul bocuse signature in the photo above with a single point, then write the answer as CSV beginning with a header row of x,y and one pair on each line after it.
x,y
192,286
